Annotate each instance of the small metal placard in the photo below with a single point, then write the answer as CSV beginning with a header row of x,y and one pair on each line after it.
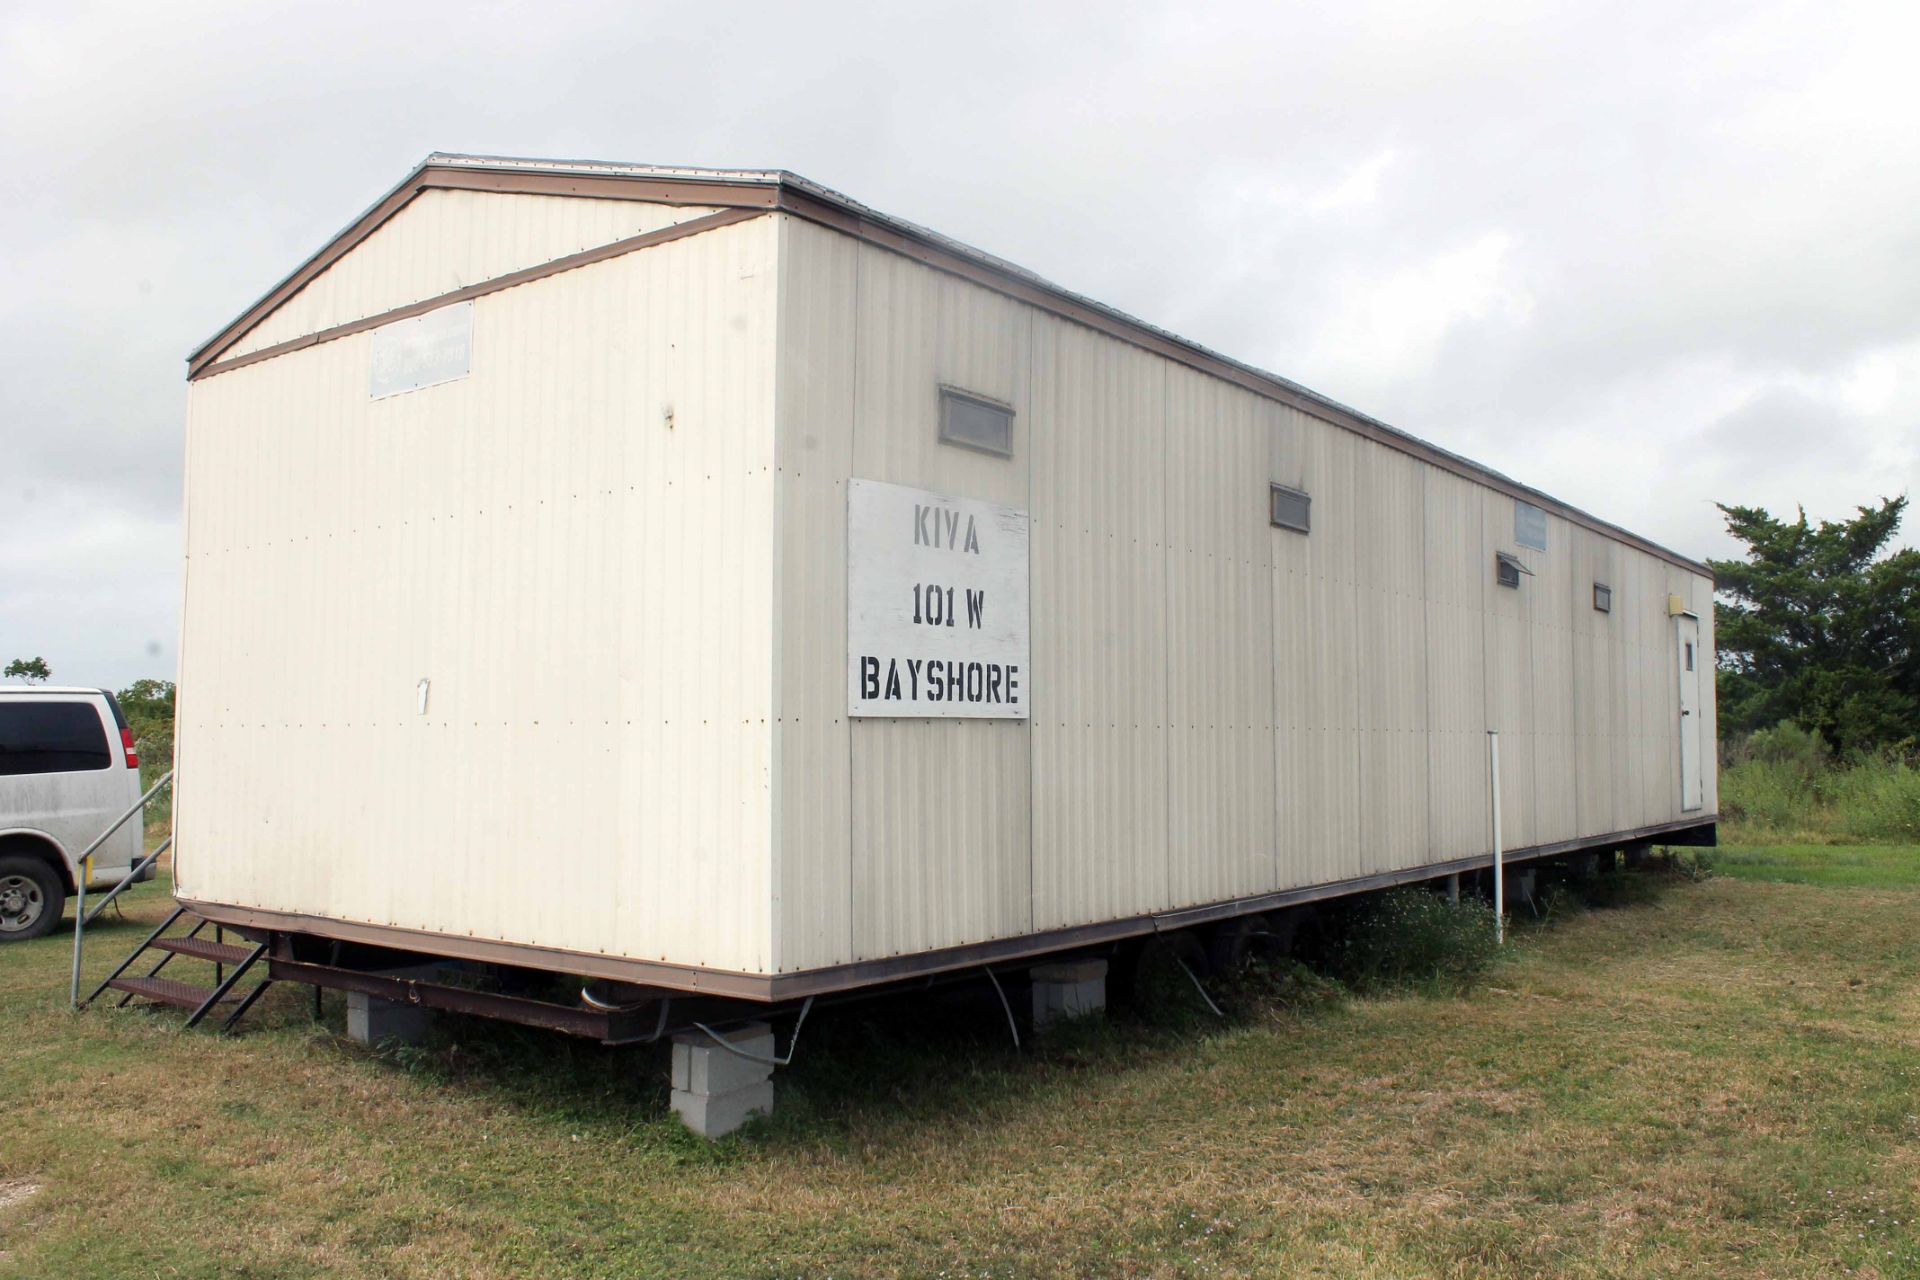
x,y
1529,525
422,351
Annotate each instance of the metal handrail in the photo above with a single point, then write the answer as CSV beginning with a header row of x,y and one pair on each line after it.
x,y
82,872
132,876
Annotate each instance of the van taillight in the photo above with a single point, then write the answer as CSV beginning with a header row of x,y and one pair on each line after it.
x,y
126,740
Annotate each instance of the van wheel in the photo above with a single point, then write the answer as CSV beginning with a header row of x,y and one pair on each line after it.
x,y
31,898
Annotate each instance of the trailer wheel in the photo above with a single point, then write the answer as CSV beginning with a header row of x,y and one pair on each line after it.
x,y
1145,972
31,898
1282,931
1230,942
1185,947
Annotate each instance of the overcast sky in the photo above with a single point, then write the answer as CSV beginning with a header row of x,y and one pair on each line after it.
x,y
1646,257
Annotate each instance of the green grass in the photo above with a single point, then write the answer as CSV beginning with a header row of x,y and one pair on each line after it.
x,y
1847,866
1706,1079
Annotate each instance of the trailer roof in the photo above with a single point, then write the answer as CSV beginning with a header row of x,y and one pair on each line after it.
x,y
780,190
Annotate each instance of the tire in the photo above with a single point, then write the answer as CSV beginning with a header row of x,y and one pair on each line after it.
x,y
1144,973
1283,927
1230,942
31,898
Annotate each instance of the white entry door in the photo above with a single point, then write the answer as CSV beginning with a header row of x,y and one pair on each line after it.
x,y
1691,661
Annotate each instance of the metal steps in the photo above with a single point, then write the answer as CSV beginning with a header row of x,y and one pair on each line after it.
x,y
230,961
204,949
181,995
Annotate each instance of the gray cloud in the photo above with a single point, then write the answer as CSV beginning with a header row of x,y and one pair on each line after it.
x,y
1645,256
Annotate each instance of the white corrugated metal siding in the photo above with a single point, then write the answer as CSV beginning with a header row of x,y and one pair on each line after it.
x,y
941,811
812,835
1595,683
1219,613
1640,792
1221,708
1099,560
1550,640
1507,657
1390,593
446,240
1317,654
1459,578
893,835
585,587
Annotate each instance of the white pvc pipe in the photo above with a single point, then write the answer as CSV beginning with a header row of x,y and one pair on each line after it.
x,y
1499,868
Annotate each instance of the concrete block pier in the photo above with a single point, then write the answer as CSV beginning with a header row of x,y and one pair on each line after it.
x,y
716,1091
1068,989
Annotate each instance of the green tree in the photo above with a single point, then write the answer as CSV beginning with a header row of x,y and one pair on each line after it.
x,y
148,707
27,669
1819,625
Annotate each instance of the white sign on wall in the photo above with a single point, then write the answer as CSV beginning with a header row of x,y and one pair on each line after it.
x,y
421,351
936,605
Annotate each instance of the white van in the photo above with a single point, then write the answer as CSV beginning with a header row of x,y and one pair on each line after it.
x,y
67,770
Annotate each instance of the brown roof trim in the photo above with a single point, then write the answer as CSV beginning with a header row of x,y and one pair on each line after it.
x,y
760,191
429,177
586,257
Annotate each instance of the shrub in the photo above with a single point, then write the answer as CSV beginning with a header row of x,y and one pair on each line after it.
x,y
1788,747
1781,782
1281,984
1769,796
1771,782
1875,800
1414,937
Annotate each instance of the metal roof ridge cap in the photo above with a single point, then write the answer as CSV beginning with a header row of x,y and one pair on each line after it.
x,y
607,168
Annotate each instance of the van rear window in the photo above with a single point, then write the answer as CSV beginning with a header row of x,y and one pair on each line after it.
x,y
50,737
